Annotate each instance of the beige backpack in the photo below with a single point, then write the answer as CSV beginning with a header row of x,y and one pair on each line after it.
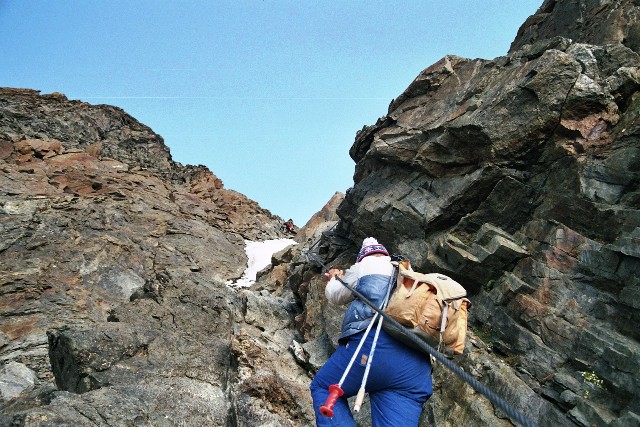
x,y
433,306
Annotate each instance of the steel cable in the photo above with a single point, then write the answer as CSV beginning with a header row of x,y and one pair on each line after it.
x,y
508,409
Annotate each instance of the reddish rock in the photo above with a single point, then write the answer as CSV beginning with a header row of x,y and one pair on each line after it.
x,y
6,149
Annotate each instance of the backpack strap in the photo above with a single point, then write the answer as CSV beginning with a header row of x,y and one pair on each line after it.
x,y
413,288
443,324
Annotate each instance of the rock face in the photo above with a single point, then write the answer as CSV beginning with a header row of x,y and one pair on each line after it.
x,y
583,21
113,260
321,221
520,178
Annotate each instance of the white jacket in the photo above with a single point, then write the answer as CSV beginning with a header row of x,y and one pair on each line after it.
x,y
338,294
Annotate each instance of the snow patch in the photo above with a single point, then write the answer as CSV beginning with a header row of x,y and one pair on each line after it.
x,y
259,256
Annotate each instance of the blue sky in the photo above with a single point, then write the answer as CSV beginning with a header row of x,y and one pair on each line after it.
x,y
268,94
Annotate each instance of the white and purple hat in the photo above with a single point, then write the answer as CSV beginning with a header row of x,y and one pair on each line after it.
x,y
371,246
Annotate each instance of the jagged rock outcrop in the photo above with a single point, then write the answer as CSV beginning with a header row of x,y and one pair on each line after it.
x,y
322,221
585,21
113,263
520,178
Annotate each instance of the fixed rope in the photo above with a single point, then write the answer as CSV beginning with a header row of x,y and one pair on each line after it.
x,y
508,409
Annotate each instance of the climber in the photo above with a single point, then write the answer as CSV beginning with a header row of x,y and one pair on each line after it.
x,y
399,379
288,227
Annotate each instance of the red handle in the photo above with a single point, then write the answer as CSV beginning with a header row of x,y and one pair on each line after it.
x,y
334,393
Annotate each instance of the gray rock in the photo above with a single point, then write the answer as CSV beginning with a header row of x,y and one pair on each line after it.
x,y
14,379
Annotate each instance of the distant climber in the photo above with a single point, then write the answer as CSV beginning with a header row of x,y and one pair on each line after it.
x,y
288,227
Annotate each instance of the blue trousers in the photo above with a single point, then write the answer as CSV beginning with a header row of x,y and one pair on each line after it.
x,y
399,382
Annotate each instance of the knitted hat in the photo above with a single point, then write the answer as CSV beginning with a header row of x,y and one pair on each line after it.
x,y
371,246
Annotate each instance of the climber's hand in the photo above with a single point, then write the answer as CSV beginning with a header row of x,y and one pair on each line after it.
x,y
334,272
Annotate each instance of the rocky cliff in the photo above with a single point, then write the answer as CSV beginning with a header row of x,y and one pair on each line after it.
x,y
518,176
113,259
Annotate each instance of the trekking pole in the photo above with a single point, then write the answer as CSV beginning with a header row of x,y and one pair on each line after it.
x,y
335,390
360,395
